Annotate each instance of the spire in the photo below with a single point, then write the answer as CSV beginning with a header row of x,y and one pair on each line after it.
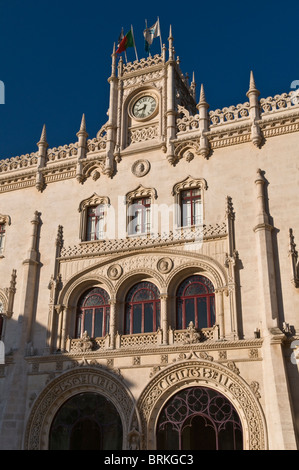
x,y
170,42
254,111
193,86
252,85
83,124
202,98
43,137
203,123
82,131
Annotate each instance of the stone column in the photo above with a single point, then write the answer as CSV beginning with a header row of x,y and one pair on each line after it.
x,y
278,412
111,126
112,323
164,322
170,104
220,311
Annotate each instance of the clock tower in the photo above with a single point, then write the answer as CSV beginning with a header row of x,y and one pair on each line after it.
x,y
144,100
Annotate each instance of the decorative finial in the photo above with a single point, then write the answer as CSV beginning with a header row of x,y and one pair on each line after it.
x,y
252,85
202,98
83,124
43,137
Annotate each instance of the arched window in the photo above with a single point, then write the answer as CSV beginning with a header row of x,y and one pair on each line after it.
x,y
142,308
93,313
196,303
199,418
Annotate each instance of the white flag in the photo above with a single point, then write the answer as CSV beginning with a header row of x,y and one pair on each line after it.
x,y
151,33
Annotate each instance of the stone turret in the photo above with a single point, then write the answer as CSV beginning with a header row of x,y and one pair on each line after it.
x,y
254,111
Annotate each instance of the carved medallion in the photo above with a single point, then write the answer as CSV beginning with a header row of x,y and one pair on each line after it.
x,y
140,168
165,265
114,272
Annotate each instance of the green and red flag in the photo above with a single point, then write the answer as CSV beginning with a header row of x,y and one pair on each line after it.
x,y
127,41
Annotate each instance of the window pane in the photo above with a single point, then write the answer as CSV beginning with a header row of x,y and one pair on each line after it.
x,y
98,322
107,321
189,312
88,322
202,312
212,311
195,288
137,318
128,319
180,314
148,317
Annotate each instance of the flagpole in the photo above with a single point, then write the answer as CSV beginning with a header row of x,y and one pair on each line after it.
x,y
149,51
160,34
134,42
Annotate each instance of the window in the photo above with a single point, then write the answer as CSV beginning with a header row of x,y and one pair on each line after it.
x,y
140,216
191,209
189,201
196,303
93,219
139,210
93,313
2,237
95,223
199,418
142,309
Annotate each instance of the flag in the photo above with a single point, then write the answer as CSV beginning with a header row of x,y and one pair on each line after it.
x,y
126,41
150,34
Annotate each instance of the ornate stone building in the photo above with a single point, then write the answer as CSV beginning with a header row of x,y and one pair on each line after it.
x,y
149,275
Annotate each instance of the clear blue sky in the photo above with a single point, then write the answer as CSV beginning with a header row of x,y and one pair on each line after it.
x,y
55,57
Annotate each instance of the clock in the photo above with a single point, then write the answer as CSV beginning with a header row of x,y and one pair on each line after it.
x,y
144,107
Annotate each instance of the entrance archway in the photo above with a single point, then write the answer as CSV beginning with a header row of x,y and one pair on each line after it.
x,y
60,400
219,379
87,421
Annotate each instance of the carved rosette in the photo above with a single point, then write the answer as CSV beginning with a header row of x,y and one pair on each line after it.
x,y
141,168
165,265
114,272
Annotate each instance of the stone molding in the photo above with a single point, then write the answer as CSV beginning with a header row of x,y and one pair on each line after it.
x,y
197,372
82,379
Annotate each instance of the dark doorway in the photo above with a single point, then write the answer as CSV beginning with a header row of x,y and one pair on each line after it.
x,y
87,421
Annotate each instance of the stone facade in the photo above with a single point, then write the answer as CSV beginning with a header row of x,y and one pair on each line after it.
x,y
243,160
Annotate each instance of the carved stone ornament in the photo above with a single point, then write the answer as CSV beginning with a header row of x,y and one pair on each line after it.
x,y
197,373
114,272
140,168
66,385
191,336
165,265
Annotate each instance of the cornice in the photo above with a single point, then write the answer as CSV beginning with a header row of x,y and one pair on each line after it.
x,y
209,345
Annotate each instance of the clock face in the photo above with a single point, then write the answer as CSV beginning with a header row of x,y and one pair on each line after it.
x,y
144,107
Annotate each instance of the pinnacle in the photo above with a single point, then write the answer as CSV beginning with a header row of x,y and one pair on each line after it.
x,y
43,137
252,85
202,98
83,124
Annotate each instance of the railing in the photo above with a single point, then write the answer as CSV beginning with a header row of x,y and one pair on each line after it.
x,y
142,340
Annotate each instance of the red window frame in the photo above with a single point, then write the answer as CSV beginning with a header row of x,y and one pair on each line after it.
x,y
205,294
84,309
153,297
191,199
